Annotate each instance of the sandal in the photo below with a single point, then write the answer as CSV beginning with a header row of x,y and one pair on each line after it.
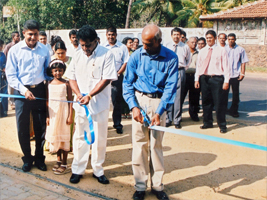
x,y
63,169
56,166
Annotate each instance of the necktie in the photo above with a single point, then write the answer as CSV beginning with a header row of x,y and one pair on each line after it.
x,y
206,62
175,47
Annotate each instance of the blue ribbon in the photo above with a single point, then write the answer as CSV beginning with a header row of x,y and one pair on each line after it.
x,y
202,136
91,126
86,111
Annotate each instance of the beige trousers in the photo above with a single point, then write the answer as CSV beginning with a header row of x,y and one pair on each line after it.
x,y
81,149
147,148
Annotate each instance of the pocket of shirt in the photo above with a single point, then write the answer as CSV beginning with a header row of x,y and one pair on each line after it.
x,y
97,72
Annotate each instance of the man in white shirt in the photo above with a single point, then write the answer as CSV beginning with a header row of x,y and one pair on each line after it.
x,y
43,40
213,73
121,54
74,46
90,73
174,113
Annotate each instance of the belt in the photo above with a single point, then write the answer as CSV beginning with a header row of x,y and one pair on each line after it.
x,y
211,76
156,95
33,86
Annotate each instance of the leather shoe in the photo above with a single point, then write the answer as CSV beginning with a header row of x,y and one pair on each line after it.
x,y
168,124
102,179
139,195
27,167
160,195
75,178
223,130
195,118
119,130
40,165
206,126
178,126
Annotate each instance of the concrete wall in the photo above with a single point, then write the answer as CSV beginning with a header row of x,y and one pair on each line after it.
x,y
257,55
247,31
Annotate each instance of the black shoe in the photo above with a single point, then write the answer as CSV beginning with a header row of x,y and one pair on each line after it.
x,y
168,124
139,195
223,130
102,179
178,126
195,118
27,167
75,178
40,165
235,115
160,195
119,130
206,126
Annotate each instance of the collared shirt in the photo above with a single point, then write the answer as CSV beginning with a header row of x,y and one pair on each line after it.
x,y
51,52
71,50
120,52
8,46
236,57
26,66
183,53
193,62
218,64
88,71
151,74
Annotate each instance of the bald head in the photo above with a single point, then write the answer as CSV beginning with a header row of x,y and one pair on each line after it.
x,y
151,38
192,43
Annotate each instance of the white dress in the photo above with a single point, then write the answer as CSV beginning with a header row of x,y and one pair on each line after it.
x,y
58,132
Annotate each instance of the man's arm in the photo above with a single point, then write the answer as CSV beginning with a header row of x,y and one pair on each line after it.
x,y
226,69
244,60
122,69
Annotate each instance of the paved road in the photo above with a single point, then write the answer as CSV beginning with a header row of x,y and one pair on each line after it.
x,y
253,96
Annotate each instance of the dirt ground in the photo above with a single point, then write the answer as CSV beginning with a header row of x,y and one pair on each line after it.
x,y
194,168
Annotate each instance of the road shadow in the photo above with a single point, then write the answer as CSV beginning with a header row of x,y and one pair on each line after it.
x,y
244,174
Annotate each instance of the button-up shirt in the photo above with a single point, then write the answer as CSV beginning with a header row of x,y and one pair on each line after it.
x,y
88,71
183,53
51,52
26,66
71,50
193,63
151,74
120,52
218,64
236,57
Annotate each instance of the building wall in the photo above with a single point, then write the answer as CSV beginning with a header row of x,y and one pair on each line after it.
x,y
257,55
247,31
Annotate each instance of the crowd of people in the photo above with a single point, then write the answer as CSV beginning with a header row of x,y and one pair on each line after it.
x,y
152,76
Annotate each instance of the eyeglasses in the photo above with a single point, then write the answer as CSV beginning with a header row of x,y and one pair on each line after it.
x,y
183,37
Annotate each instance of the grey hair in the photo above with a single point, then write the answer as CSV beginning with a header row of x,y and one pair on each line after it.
x,y
158,35
193,37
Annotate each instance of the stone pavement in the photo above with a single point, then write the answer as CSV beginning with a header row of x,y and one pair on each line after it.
x,y
16,185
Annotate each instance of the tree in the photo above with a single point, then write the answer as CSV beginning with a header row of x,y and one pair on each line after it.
x,y
127,23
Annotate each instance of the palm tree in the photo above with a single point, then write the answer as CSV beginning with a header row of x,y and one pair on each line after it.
x,y
227,4
127,23
194,8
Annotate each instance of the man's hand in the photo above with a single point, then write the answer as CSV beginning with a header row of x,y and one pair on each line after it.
x,y
85,100
29,95
241,77
69,121
225,86
137,115
47,121
196,84
155,120
79,97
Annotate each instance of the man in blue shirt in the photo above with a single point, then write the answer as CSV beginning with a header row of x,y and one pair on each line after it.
x,y
150,83
26,66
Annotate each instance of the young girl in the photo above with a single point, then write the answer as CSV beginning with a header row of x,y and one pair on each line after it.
x,y
60,116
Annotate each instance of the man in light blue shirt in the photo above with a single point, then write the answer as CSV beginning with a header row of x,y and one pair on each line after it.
x,y
26,73
237,61
121,55
150,83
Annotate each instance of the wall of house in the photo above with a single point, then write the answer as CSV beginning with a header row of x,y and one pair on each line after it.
x,y
247,31
257,55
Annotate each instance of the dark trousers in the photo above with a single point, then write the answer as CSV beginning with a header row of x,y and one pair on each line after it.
x,y
193,95
174,113
38,109
234,84
213,95
116,97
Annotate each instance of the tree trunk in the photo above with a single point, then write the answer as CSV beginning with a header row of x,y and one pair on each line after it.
x,y
128,14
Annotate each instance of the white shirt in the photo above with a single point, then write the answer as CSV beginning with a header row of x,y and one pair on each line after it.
x,y
120,52
183,52
51,52
88,71
218,64
71,50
